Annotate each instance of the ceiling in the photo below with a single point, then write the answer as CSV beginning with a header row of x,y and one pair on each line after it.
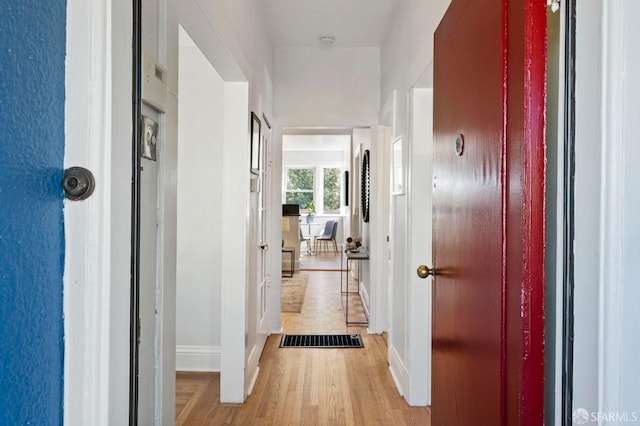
x,y
353,23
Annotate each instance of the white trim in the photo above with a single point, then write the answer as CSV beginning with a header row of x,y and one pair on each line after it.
x,y
234,273
96,280
379,228
252,366
253,369
418,296
198,358
364,294
398,370
612,223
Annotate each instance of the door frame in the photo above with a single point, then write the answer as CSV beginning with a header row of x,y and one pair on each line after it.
x,y
97,231
419,240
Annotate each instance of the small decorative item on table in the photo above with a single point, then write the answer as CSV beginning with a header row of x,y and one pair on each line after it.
x,y
311,207
353,244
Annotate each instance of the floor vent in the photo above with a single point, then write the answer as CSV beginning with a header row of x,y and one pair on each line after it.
x,y
321,341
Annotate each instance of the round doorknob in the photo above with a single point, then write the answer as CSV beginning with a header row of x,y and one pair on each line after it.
x,y
424,271
78,183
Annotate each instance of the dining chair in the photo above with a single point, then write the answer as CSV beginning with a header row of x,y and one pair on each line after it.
x,y
329,234
306,240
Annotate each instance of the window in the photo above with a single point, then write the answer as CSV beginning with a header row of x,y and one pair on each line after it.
x,y
299,186
322,185
331,183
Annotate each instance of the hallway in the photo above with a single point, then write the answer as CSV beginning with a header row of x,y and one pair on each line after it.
x,y
307,386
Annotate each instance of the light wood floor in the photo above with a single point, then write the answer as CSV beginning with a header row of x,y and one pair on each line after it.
x,y
320,261
307,386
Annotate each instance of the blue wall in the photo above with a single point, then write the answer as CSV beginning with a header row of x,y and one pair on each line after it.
x,y
32,55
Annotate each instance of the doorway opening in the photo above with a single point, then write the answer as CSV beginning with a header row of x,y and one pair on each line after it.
x,y
315,170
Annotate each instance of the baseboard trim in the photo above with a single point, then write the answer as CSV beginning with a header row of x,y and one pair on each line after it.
x,y
398,370
366,301
198,358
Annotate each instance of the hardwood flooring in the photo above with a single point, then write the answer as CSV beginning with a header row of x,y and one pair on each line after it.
x,y
327,261
307,386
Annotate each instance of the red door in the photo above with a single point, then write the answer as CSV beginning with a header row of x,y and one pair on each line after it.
x,y
488,348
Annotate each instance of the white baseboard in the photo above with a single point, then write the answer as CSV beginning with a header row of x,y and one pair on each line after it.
x,y
364,296
198,358
398,370
253,369
253,380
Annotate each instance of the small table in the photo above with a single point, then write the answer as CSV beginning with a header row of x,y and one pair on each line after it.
x,y
292,252
359,257
311,236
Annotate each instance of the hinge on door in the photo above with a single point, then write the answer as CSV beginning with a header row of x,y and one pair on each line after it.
x,y
139,329
554,5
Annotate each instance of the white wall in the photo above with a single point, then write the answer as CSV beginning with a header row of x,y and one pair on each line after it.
x,y
199,241
326,87
606,372
406,53
623,387
312,158
240,52
362,139
407,50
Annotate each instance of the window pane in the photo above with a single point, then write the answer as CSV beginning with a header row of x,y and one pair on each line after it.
x,y
300,179
331,191
300,198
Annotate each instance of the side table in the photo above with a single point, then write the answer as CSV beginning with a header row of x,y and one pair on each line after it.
x,y
292,252
349,256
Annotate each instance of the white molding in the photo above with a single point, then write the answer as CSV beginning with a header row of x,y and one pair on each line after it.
x,y
234,273
198,358
253,368
379,229
612,223
398,370
365,297
418,296
97,230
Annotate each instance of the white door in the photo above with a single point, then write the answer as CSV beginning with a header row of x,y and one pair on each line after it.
x,y
264,273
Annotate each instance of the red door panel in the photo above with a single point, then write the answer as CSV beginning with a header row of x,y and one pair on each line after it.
x,y
488,226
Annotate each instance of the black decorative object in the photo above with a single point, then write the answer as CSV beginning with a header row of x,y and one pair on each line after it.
x,y
346,188
366,186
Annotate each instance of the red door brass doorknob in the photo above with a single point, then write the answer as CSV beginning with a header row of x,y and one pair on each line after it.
x,y
424,271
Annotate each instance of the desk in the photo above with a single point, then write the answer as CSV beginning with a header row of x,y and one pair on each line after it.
x,y
291,251
349,256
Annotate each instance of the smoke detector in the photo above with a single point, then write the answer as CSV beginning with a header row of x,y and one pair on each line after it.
x,y
326,40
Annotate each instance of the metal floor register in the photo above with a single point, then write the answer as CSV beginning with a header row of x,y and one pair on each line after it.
x,y
321,341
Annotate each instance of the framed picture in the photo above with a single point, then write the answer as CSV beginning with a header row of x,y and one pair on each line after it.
x,y
397,167
255,144
149,129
